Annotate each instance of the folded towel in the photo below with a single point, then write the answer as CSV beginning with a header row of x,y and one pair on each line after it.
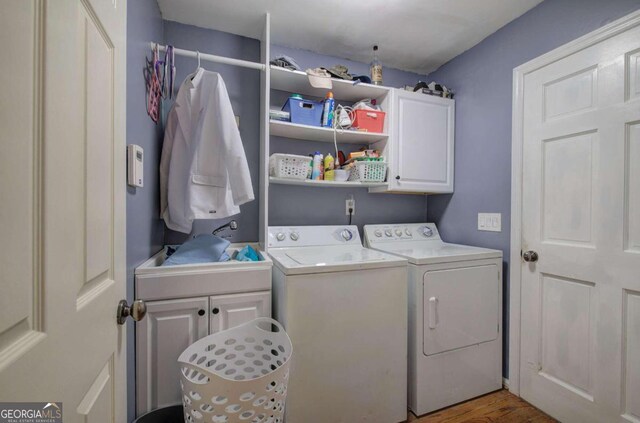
x,y
248,254
204,248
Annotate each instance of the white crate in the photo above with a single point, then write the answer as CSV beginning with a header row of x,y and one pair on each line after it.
x,y
289,166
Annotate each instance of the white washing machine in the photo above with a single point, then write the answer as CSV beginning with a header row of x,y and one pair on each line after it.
x,y
345,308
455,314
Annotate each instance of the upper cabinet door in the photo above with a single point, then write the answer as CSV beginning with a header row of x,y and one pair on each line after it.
x,y
421,150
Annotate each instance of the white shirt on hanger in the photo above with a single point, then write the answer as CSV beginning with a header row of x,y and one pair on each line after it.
x,y
203,171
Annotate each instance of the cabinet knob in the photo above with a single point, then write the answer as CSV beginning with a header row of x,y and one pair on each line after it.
x,y
201,312
215,310
398,177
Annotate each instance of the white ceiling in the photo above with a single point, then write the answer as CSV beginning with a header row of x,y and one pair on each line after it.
x,y
414,35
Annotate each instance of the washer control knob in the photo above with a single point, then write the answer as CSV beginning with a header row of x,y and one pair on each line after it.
x,y
399,232
346,234
407,231
388,232
378,233
280,236
294,236
427,231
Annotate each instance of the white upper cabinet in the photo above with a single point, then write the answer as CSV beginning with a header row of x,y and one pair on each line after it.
x,y
420,148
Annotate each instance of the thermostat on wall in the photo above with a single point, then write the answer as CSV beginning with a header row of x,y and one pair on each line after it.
x,y
135,165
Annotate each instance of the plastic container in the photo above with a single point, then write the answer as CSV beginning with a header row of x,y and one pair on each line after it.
x,y
304,112
341,175
237,375
329,174
369,120
318,166
289,166
327,111
369,171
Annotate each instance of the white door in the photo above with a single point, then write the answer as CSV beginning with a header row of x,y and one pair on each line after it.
x,y
62,215
232,310
422,144
169,327
580,318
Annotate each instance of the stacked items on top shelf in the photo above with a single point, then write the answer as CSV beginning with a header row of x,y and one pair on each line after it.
x,y
305,119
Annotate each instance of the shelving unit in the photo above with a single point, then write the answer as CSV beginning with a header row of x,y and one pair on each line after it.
x,y
316,133
276,81
324,184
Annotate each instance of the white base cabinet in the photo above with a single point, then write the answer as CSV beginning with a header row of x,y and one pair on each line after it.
x,y
170,326
184,304
420,148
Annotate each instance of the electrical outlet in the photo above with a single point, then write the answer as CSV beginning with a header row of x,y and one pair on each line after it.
x,y
491,222
350,203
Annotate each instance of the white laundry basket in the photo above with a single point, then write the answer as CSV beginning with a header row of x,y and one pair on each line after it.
x,y
237,375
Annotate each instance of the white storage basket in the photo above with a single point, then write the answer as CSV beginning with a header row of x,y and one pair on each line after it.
x,y
369,171
238,375
289,166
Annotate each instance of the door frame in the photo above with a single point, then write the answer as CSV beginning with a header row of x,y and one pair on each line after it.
x,y
515,280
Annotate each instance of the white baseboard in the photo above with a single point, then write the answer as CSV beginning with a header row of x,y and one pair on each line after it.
x,y
505,383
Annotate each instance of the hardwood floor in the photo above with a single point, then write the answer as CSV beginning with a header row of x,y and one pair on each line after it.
x,y
500,406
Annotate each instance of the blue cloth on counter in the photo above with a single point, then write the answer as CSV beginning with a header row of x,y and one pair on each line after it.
x,y
248,254
204,248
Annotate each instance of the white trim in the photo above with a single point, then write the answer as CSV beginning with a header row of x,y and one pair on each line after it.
x,y
265,93
505,383
621,25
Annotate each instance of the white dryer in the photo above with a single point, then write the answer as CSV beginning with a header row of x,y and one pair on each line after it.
x,y
455,314
345,308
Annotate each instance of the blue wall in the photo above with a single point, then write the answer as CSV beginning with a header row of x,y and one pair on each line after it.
x,y
145,230
482,80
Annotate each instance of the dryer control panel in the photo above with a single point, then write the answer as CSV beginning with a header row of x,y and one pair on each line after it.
x,y
402,232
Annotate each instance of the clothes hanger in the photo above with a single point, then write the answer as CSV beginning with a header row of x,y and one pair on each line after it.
x,y
193,75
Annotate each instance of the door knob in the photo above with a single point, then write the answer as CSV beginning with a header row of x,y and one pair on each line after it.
x,y
137,311
530,256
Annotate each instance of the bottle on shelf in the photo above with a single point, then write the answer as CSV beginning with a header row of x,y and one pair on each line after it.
x,y
316,173
376,68
327,111
329,174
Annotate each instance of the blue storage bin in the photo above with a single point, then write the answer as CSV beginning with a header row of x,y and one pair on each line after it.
x,y
305,112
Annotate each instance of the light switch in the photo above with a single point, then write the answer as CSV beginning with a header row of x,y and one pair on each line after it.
x,y
491,222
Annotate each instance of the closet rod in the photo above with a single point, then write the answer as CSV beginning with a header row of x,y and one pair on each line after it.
x,y
213,58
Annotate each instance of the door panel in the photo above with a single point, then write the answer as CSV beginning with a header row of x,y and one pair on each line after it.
x,y
232,310
631,387
567,329
461,307
568,161
63,209
632,188
169,328
580,203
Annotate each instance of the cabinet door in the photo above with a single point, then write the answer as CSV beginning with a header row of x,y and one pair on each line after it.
x,y
169,327
422,156
232,310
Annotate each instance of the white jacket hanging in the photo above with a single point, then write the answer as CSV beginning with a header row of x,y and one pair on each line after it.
x,y
203,171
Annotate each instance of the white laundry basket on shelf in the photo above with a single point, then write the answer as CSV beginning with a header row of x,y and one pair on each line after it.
x,y
237,375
